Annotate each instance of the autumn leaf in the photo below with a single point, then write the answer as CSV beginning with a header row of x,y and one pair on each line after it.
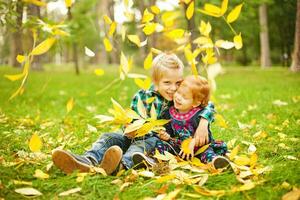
x,y
28,191
147,16
224,44
20,58
134,39
88,52
215,11
112,28
141,108
234,14
205,28
221,121
99,72
185,145
107,44
68,192
15,77
234,152
149,28
40,174
35,143
194,69
190,10
153,113
202,149
238,41
43,47
35,2
143,84
70,104
175,34
148,61
155,9
68,3
107,19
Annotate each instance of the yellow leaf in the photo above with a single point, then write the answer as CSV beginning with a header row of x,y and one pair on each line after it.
x,y
238,41
137,124
35,143
135,39
209,58
234,152
20,58
196,161
60,32
40,174
234,14
147,16
112,28
68,3
253,160
99,72
165,178
241,160
155,10
185,145
141,108
15,77
43,47
247,186
172,195
212,8
207,192
107,44
149,28
143,84
68,192
70,105
224,6
194,69
204,28
165,157
190,10
202,149
107,19
156,51
175,34
35,2
124,64
148,61
205,42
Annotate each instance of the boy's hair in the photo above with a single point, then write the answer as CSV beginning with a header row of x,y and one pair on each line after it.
x,y
200,89
162,62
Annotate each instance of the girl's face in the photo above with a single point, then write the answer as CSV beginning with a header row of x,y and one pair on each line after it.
x,y
183,99
169,83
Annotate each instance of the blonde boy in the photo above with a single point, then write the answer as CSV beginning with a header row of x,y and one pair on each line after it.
x,y
111,149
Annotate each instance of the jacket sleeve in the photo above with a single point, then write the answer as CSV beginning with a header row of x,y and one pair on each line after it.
x,y
208,112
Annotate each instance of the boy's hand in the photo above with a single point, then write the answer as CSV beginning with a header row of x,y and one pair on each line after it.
x,y
201,134
188,156
163,135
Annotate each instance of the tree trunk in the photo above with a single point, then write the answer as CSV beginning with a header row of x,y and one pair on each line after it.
x,y
74,46
265,60
295,67
16,43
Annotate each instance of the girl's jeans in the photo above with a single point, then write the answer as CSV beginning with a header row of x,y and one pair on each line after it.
x,y
129,146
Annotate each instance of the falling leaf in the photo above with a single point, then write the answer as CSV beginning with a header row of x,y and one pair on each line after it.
x,y
99,72
28,191
68,192
107,44
155,9
43,47
40,174
149,28
20,58
148,61
143,84
89,52
234,14
70,104
279,103
238,41
190,10
205,28
107,19
35,143
112,28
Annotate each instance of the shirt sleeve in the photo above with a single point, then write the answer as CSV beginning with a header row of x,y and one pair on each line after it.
x,y
208,112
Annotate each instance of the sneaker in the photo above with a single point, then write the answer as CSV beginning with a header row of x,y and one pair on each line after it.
x,y
69,162
111,159
220,162
140,160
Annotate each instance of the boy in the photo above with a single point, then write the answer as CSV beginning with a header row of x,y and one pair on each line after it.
x,y
107,151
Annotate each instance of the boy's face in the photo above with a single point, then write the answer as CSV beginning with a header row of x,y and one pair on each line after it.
x,y
169,83
183,99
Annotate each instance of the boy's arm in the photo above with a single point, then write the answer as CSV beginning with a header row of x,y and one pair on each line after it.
x,y
207,116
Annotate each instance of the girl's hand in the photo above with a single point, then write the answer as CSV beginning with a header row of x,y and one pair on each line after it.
x,y
201,134
163,135
188,156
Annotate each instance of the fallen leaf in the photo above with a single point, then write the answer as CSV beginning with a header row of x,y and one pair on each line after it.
x,y
279,103
70,104
28,191
146,174
35,143
40,174
17,182
68,192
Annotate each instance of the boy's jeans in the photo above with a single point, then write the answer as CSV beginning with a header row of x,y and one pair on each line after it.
x,y
129,146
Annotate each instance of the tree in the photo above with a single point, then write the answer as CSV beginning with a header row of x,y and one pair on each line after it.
x,y
296,55
265,60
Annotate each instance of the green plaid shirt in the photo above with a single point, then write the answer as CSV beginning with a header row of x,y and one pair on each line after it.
x,y
151,96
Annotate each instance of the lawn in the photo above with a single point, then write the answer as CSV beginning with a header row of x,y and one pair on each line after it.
x,y
252,101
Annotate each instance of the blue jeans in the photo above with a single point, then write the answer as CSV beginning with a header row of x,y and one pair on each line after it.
x,y
129,146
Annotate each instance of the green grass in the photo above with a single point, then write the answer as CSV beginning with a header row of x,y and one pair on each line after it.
x,y
42,109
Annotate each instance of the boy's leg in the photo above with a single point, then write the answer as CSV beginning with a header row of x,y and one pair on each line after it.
x,y
139,146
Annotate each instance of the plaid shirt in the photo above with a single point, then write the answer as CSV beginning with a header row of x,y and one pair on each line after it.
x,y
149,97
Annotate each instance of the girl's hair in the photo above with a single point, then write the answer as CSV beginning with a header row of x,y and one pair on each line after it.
x,y
162,62
199,87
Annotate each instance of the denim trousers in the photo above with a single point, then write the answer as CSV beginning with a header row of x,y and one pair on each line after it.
x,y
129,146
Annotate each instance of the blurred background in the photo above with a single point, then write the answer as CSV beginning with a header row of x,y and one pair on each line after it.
x,y
267,27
